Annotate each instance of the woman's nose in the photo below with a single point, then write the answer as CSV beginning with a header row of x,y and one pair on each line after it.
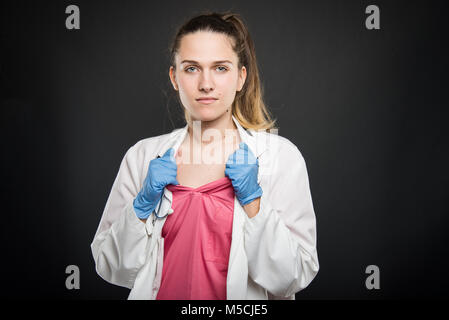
x,y
206,82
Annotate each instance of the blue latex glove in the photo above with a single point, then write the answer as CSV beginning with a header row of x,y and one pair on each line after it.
x,y
242,168
161,172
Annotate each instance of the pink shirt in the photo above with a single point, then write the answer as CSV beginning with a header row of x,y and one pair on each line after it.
x,y
197,242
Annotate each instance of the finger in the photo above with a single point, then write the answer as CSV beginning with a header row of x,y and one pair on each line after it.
x,y
231,158
170,154
243,146
240,157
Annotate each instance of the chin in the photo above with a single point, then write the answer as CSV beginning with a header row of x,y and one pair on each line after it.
x,y
208,115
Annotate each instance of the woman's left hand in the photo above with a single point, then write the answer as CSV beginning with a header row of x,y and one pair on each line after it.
x,y
242,168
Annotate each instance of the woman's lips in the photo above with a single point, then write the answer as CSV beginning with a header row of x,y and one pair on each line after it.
x,y
206,101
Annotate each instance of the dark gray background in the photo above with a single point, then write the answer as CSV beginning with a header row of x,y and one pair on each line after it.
x,y
367,109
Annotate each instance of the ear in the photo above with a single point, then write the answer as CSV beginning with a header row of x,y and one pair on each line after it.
x,y
171,74
242,78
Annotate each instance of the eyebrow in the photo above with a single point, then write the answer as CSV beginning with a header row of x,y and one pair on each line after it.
x,y
215,62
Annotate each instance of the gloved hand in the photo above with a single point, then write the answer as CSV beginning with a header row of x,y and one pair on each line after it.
x,y
242,168
161,172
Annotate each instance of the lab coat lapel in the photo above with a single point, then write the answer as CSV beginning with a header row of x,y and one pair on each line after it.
x,y
237,280
174,141
256,145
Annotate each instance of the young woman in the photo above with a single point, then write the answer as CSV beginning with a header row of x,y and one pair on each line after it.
x,y
219,209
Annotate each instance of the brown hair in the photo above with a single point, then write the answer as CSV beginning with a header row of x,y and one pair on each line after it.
x,y
248,106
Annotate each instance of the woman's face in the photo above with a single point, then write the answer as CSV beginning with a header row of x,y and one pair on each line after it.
x,y
206,66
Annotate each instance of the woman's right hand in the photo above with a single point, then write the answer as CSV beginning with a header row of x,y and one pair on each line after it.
x,y
161,172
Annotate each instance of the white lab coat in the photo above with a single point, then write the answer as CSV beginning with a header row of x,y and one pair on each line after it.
x,y
273,255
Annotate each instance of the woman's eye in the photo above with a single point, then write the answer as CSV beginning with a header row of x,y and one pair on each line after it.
x,y
224,68
187,69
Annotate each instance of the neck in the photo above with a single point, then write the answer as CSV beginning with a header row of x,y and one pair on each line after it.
x,y
214,131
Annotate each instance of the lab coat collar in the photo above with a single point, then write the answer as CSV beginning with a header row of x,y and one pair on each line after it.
x,y
257,146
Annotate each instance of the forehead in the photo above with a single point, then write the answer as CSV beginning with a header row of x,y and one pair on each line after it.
x,y
205,46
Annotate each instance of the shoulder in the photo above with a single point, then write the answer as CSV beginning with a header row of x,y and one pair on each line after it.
x,y
278,146
283,163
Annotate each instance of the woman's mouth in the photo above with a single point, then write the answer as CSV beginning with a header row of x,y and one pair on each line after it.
x,y
206,100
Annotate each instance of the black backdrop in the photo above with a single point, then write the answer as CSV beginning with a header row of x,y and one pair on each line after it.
x,y
367,109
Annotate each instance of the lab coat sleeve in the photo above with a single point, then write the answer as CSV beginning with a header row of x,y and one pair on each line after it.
x,y
280,241
121,239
